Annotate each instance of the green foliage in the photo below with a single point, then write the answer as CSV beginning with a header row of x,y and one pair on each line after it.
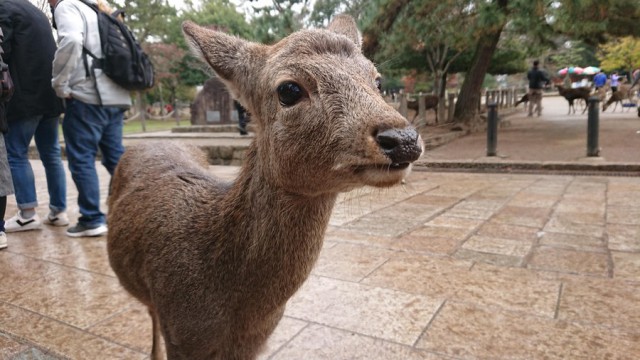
x,y
575,53
272,23
595,20
621,54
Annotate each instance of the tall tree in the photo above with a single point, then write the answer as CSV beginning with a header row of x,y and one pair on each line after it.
x,y
439,30
621,54
283,17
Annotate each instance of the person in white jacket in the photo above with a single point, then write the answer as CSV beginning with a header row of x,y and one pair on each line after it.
x,y
94,110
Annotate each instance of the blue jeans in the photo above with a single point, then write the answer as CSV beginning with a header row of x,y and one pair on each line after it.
x,y
17,139
86,128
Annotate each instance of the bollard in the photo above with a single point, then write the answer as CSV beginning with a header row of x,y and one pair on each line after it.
x,y
593,127
492,129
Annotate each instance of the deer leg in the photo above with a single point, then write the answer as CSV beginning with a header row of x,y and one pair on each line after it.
x,y
156,351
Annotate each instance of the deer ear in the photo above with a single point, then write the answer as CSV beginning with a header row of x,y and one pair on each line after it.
x,y
345,25
227,55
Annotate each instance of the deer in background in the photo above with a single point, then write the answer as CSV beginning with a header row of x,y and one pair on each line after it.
x,y
624,92
215,262
430,103
524,99
572,94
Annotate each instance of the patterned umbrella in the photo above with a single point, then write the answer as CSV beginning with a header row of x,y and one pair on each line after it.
x,y
576,70
590,70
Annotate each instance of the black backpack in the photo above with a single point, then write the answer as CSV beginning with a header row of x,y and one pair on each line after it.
x,y
123,60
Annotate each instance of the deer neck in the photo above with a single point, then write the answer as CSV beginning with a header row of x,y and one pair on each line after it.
x,y
280,234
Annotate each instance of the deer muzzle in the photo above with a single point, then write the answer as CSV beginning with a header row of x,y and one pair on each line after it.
x,y
401,146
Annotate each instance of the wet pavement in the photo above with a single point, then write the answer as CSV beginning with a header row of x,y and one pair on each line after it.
x,y
452,265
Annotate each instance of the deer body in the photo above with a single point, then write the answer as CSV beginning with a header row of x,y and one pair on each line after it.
x,y
215,262
624,92
572,94
430,103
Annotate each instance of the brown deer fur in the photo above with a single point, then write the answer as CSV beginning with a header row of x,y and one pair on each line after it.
x,y
215,262
430,103
572,94
624,92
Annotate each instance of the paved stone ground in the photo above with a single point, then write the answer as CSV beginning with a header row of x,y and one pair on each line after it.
x,y
450,266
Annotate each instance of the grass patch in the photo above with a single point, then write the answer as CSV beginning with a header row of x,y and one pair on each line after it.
x,y
135,127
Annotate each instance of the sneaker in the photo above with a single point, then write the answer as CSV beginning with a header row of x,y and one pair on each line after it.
x,y
18,223
3,240
84,230
59,219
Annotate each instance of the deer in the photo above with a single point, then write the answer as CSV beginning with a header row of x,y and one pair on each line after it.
x,y
624,92
524,99
430,103
215,261
573,94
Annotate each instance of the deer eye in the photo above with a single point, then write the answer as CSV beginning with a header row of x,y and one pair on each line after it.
x,y
379,84
289,93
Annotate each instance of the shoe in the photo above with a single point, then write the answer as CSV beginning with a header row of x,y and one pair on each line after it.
x,y
83,230
18,223
3,240
59,219
243,130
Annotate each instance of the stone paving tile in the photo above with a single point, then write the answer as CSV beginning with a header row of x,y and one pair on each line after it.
x,y
488,258
570,261
443,278
508,231
130,327
416,242
383,313
525,216
286,330
466,210
472,332
51,244
612,303
561,224
67,340
580,205
18,270
624,215
623,237
626,266
350,262
381,223
499,246
93,296
533,200
9,348
455,222
323,343
573,242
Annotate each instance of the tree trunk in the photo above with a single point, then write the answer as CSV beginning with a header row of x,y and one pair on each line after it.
x,y
442,98
469,98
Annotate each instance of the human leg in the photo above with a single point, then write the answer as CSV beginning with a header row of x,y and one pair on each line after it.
x,y
531,102
538,98
3,208
111,142
46,138
6,188
82,129
17,141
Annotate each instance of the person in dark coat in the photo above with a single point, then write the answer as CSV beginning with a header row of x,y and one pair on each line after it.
x,y
32,113
537,80
6,185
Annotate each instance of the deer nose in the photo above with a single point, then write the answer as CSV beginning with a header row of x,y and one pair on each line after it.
x,y
400,145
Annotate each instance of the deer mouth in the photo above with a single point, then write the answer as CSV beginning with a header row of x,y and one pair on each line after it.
x,y
383,167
